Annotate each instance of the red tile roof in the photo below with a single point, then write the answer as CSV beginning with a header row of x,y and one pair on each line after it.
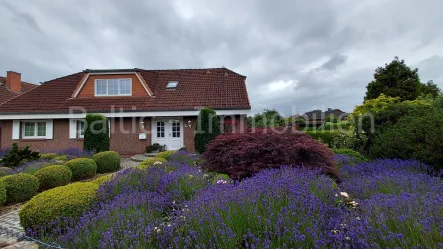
x,y
6,94
217,88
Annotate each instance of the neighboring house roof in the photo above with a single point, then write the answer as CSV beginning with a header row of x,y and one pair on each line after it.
x,y
217,88
321,115
6,94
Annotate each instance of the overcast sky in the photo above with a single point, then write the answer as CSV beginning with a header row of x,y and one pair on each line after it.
x,y
298,55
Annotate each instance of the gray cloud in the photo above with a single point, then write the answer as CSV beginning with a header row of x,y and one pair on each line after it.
x,y
334,62
297,55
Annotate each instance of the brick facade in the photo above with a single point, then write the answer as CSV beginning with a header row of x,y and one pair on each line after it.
x,y
124,135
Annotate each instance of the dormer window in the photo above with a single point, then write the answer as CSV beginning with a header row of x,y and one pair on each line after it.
x,y
172,85
113,87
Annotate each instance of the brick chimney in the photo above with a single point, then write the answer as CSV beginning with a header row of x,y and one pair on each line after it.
x,y
14,81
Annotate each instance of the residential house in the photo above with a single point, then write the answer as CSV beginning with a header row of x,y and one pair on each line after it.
x,y
12,86
143,107
316,118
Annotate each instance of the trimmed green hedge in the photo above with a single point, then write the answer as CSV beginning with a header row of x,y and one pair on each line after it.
x,y
82,168
96,133
166,154
61,158
48,156
102,179
68,201
2,193
107,161
53,176
151,161
20,187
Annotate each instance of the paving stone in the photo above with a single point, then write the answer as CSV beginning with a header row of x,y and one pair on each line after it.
x,y
23,245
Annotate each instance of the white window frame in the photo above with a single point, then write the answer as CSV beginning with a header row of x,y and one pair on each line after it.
x,y
77,133
107,87
35,129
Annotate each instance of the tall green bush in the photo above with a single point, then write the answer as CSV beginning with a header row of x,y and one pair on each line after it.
x,y
207,128
96,133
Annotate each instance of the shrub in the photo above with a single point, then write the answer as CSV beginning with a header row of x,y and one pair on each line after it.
x,y
2,193
242,155
53,176
107,161
61,158
154,148
221,179
151,161
102,179
16,156
4,171
207,128
20,187
82,168
166,154
48,156
359,158
96,133
413,136
68,201
334,138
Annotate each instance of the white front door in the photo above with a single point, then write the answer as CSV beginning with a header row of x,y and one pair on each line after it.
x,y
168,132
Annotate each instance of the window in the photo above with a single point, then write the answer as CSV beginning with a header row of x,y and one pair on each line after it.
x,y
160,129
172,84
113,87
34,130
81,128
176,128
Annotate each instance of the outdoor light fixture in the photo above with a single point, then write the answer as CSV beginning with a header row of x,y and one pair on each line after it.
x,y
142,124
189,123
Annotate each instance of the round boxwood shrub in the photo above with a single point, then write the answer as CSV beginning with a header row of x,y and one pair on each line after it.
x,y
66,201
166,154
53,176
151,161
48,156
241,155
107,161
82,168
2,193
4,171
20,187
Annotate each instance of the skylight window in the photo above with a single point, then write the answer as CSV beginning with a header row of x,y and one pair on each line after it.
x,y
172,84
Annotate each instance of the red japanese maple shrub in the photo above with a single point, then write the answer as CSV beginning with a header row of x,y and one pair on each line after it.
x,y
244,154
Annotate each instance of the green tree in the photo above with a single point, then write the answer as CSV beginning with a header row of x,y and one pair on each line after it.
x,y
269,118
96,133
429,89
395,79
207,128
